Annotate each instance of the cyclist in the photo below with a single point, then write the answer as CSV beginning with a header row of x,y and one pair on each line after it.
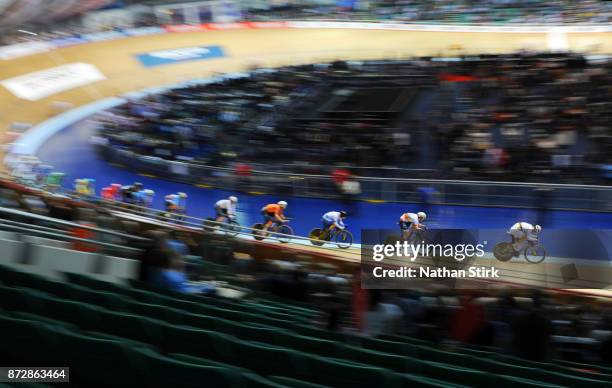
x,y
176,203
116,191
54,181
409,222
85,187
26,169
182,202
91,185
226,208
127,192
112,192
42,173
333,220
144,198
273,213
80,186
523,233
107,193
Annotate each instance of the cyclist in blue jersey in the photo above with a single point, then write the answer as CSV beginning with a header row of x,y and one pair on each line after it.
x,y
176,203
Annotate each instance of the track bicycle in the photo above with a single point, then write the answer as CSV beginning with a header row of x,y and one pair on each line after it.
x,y
342,237
280,231
227,225
534,252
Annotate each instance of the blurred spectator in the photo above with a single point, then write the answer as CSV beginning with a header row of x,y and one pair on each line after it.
x,y
291,285
436,11
85,217
340,175
156,253
172,277
381,318
176,245
413,312
445,11
243,173
468,321
532,333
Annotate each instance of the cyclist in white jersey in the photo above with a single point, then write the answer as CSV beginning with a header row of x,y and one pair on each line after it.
x,y
523,233
333,220
410,222
226,208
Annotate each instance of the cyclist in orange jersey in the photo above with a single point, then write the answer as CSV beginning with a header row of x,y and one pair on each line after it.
x,y
273,213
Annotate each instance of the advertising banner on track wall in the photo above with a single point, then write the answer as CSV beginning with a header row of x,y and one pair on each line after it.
x,y
224,26
165,57
43,83
141,31
102,36
23,49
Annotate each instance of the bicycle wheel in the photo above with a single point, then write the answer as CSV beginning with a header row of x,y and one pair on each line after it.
x,y
343,239
316,237
535,253
503,251
392,239
257,232
232,228
209,224
283,230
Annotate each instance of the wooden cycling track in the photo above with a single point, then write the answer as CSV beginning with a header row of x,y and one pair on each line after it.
x,y
248,48
255,48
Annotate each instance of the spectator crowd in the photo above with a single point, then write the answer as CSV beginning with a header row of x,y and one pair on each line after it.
x,y
447,11
526,116
507,12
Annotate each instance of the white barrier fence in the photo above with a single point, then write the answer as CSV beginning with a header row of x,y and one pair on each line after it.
x,y
51,262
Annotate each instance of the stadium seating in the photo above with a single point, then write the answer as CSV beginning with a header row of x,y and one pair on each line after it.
x,y
184,342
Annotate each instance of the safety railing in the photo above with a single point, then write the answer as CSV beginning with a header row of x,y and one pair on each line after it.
x,y
56,229
392,189
160,218
166,219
